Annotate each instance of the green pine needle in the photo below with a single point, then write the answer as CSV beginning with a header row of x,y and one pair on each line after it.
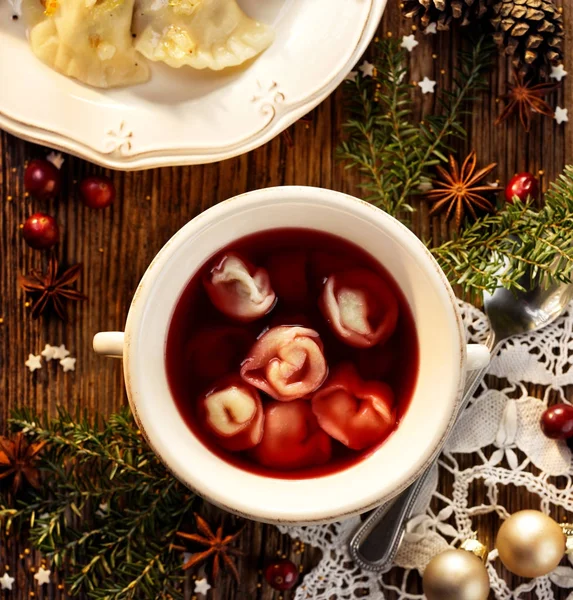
x,y
107,512
382,139
396,154
498,250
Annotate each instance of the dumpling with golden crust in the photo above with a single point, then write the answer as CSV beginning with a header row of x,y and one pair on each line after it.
x,y
204,34
89,40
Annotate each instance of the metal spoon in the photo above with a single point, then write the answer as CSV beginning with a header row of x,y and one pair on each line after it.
x,y
375,544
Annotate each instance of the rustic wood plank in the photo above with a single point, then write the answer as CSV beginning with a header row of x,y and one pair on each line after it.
x,y
117,245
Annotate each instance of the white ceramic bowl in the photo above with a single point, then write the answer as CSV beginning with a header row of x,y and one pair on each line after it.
x,y
377,478
185,116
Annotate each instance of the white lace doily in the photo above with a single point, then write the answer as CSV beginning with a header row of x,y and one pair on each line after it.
x,y
501,430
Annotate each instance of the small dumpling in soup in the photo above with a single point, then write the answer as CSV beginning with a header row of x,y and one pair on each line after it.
x,y
204,34
89,40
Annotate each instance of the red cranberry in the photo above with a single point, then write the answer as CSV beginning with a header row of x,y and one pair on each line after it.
x,y
282,575
522,185
557,422
42,179
41,231
97,192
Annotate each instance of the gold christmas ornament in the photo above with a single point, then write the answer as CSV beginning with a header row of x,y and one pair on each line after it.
x,y
458,574
531,544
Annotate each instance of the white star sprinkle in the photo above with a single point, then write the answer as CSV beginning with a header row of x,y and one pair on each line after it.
x,y
60,352
558,72
6,581
48,352
68,363
34,362
367,69
427,85
409,42
42,576
431,28
202,586
56,159
351,76
561,115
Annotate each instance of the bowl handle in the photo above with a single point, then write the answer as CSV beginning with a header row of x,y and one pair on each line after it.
x,y
109,343
478,357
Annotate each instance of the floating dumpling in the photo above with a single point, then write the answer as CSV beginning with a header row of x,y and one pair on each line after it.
x,y
91,41
291,438
286,363
212,34
355,412
360,307
239,289
232,412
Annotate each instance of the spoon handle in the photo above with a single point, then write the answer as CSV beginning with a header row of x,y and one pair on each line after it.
x,y
375,544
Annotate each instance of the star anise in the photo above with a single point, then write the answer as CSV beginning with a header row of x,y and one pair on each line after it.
x,y
218,547
526,98
52,289
458,193
17,460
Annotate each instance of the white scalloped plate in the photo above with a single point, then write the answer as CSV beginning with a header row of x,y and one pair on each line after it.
x,y
184,116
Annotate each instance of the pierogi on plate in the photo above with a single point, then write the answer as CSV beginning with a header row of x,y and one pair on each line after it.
x,y
90,41
104,42
211,34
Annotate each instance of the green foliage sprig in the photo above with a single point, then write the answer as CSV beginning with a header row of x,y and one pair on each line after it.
x,y
396,154
498,250
107,511
385,143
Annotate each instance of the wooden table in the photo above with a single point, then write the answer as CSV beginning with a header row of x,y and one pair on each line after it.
x,y
116,246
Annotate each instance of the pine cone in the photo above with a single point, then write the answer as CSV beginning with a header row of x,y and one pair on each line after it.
x,y
442,12
531,31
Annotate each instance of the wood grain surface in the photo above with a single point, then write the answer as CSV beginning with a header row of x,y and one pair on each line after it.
x,y
116,246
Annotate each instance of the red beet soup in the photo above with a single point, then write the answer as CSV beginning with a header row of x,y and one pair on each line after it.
x,y
292,353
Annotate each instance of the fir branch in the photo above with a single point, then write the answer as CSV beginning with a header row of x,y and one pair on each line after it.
x,y
108,510
498,250
384,143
